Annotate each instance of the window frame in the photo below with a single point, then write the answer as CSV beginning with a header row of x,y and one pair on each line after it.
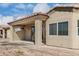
x,y
57,28
51,28
78,26
62,29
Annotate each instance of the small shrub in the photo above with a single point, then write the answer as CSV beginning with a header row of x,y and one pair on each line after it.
x,y
19,52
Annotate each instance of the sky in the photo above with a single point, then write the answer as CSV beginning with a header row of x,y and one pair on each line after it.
x,y
13,11
18,8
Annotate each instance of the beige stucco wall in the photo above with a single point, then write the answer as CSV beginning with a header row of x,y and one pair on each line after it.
x,y
75,36
18,35
24,34
8,34
28,33
38,32
55,40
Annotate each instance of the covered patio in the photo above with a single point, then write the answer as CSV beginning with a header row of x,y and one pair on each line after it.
x,y
30,28
3,31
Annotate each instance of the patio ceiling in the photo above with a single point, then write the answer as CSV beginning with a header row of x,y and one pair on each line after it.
x,y
29,20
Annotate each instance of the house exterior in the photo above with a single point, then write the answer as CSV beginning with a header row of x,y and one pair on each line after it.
x,y
4,29
58,27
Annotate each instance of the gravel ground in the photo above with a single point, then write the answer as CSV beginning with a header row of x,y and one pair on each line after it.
x,y
22,49
36,51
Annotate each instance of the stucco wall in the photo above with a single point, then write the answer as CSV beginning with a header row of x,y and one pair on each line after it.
x,y
75,36
55,40
8,34
24,34
28,33
18,35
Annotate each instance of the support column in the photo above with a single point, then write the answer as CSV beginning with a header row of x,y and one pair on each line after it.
x,y
74,32
38,32
12,33
3,33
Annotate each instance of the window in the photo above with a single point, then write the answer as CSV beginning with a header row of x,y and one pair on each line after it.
x,y
78,27
1,32
33,29
53,29
63,28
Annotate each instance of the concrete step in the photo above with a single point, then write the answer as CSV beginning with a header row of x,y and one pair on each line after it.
x,y
16,43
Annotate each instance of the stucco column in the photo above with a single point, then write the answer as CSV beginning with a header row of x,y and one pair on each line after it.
x,y
74,31
12,33
38,32
4,33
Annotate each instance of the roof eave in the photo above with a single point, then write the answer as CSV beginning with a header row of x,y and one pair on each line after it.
x,y
29,17
59,7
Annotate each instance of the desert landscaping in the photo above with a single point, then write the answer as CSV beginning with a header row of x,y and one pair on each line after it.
x,y
42,34
26,49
